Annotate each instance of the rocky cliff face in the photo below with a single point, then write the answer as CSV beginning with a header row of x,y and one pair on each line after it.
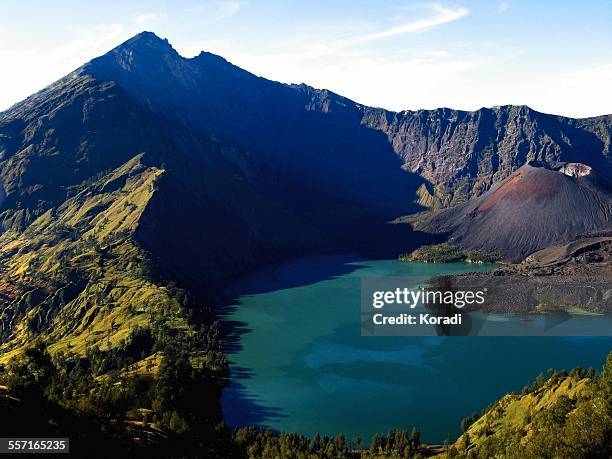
x,y
462,154
254,155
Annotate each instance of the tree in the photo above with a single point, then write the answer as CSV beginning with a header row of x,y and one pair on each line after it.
x,y
588,428
375,444
605,381
358,442
315,444
177,423
465,442
341,442
30,377
540,381
590,373
448,441
330,449
416,438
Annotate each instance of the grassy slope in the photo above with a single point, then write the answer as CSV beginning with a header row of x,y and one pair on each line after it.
x,y
75,278
515,412
517,423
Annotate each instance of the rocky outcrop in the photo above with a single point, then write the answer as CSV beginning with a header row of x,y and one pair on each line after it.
x,y
575,170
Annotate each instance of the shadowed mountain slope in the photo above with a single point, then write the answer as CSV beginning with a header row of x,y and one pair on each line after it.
x,y
294,136
79,221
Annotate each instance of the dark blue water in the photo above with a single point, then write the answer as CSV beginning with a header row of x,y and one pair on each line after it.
x,y
302,365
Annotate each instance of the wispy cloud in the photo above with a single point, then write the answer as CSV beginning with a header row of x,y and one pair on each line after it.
x,y
228,8
352,43
442,15
503,7
216,10
149,19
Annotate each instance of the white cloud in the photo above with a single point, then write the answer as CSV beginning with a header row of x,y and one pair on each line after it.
x,y
351,57
397,82
215,11
343,60
443,15
308,46
37,66
92,42
585,90
503,7
149,19
228,8
428,78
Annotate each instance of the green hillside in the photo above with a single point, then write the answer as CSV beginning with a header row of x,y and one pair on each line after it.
x,y
76,279
566,415
88,330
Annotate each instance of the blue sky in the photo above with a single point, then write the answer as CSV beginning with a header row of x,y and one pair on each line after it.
x,y
555,56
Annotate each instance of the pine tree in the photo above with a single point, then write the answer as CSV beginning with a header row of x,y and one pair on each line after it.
x,y
416,438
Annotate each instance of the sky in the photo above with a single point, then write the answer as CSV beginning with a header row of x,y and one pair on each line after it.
x,y
555,56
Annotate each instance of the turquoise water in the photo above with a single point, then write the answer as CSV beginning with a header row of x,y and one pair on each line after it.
x,y
300,363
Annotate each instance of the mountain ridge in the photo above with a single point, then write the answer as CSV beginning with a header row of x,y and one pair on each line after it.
x,y
251,154
486,144
421,154
299,152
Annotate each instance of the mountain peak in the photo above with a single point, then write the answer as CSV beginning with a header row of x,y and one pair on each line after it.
x,y
139,54
147,34
148,39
